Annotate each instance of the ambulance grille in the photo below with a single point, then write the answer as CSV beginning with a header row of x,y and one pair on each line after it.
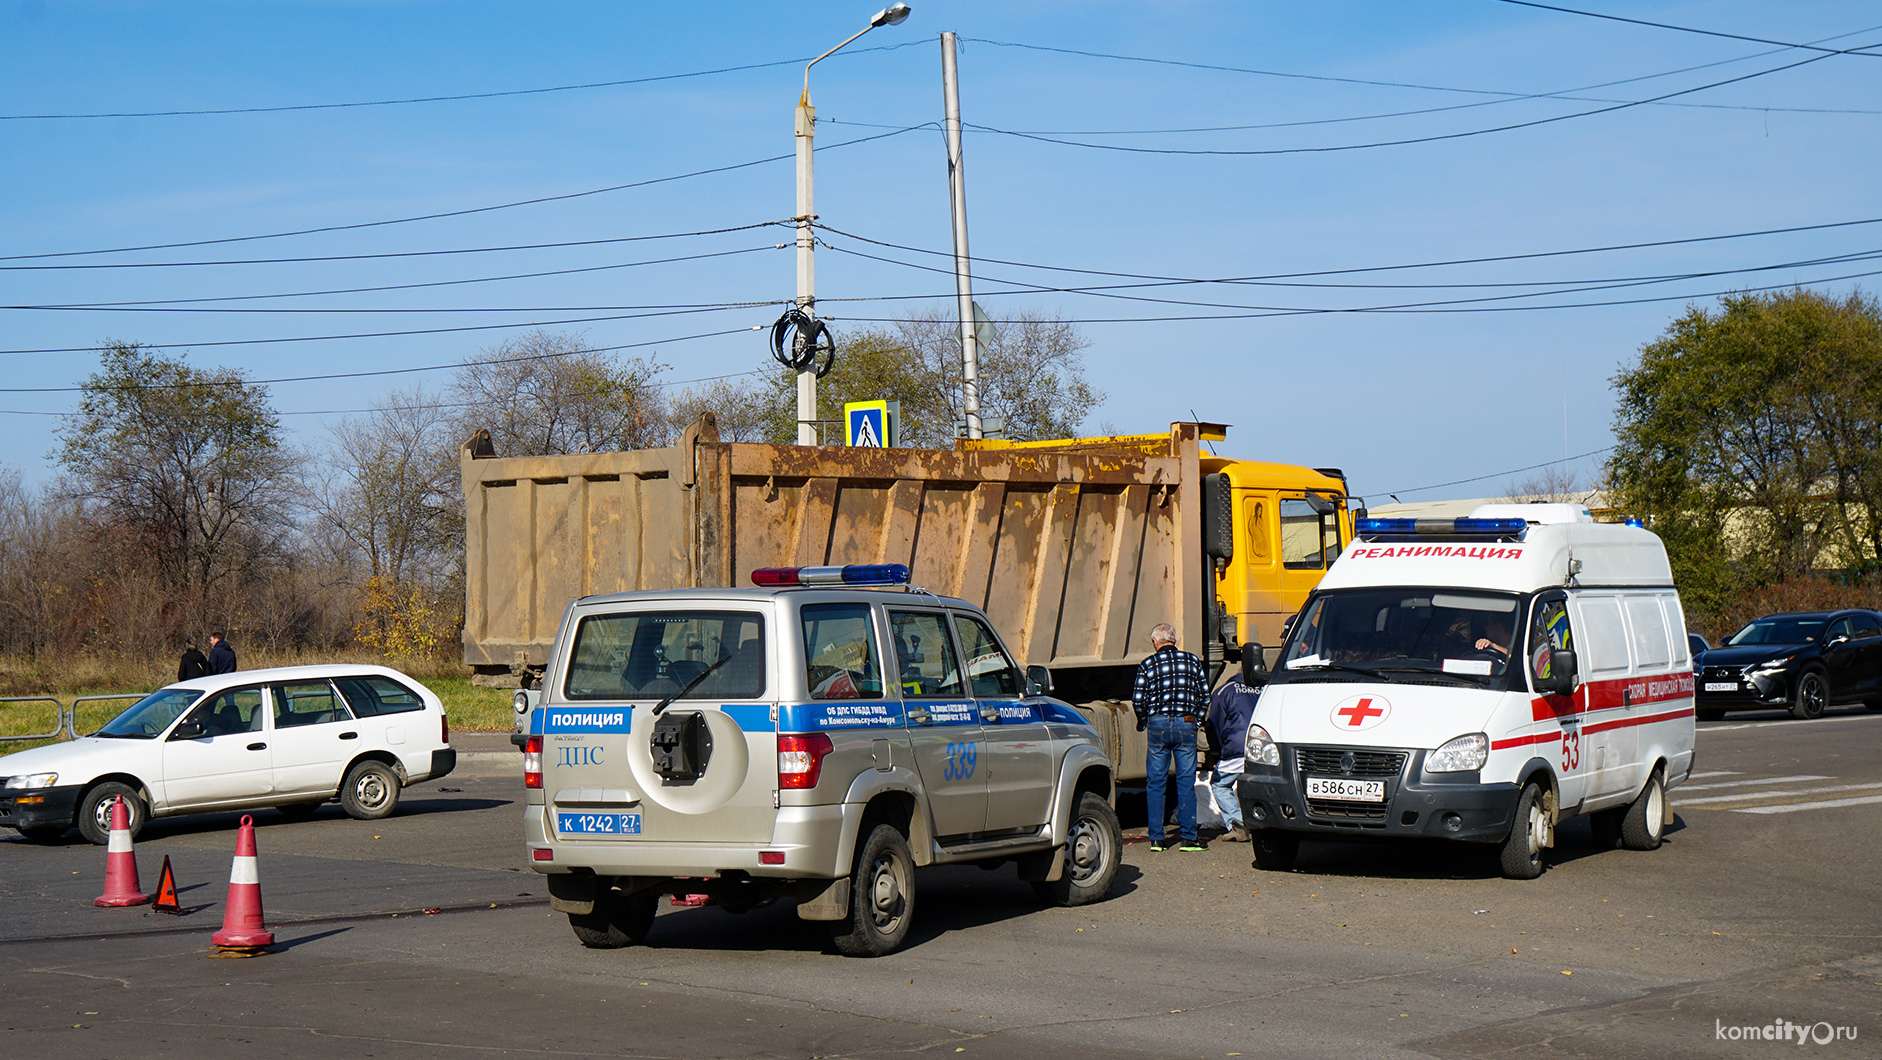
x,y
1325,761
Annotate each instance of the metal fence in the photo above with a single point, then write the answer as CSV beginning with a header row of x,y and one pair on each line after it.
x,y
65,723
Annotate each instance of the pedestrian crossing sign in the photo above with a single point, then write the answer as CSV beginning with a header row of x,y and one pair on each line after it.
x,y
873,424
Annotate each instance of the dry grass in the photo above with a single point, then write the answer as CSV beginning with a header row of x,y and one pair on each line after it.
x,y
471,709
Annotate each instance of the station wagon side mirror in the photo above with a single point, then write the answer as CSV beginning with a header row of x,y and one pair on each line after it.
x,y
1561,679
1038,681
189,730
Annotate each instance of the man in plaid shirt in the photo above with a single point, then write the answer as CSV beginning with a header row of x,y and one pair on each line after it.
x,y
1171,697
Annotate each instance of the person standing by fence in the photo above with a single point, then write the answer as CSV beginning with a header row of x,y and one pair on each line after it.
x,y
221,655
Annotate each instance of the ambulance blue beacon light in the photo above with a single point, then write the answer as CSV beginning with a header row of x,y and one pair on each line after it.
x,y
854,574
1439,527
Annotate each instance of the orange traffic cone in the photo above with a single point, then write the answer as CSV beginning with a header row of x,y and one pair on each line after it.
x,y
242,933
120,863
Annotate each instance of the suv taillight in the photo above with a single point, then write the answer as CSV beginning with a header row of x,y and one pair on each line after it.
x,y
532,762
800,760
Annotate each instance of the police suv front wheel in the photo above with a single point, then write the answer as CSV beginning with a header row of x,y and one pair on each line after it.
x,y
1091,855
882,897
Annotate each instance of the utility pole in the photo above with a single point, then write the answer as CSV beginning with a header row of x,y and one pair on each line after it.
x,y
963,277
806,219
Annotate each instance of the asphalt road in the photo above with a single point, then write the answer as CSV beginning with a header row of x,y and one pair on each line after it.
x,y
426,935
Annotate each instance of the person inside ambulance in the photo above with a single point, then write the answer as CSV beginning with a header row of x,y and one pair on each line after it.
x,y
1496,637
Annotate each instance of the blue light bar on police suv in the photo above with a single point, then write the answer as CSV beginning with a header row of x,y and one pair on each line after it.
x,y
853,574
1439,527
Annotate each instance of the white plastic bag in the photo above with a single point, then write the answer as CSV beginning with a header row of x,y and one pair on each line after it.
x,y
1207,816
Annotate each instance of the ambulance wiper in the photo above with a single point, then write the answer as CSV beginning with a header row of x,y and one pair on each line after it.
x,y
690,685
1374,674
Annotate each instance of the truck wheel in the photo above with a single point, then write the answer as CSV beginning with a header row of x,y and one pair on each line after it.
x,y
1091,856
370,791
1641,829
1521,856
1606,826
618,920
882,897
1708,713
1811,696
1274,851
94,811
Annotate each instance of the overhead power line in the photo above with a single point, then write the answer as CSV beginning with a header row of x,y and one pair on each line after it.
x,y
1500,474
446,99
1690,29
460,213
307,259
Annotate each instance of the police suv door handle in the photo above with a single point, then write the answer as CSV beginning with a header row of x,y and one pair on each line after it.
x,y
349,736
989,712
258,747
920,716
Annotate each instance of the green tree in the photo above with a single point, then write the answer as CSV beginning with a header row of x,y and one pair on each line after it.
x,y
189,462
1032,375
1749,437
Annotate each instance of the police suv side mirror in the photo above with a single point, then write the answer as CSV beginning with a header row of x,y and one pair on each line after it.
x,y
1561,679
1038,681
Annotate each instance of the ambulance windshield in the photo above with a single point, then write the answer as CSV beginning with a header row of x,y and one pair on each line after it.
x,y
1385,631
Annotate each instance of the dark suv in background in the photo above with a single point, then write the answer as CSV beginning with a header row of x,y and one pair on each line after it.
x,y
1803,661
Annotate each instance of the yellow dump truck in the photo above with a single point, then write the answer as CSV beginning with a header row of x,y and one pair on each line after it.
x,y
1074,547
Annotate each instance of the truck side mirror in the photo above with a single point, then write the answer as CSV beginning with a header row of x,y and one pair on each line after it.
x,y
1218,517
1561,679
1038,681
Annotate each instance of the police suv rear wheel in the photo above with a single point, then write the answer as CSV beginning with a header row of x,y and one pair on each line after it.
x,y
1521,856
618,920
882,897
1091,855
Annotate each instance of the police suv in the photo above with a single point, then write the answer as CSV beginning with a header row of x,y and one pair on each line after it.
x,y
1478,679
816,738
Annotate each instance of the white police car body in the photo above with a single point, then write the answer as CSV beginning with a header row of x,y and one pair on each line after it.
x,y
813,739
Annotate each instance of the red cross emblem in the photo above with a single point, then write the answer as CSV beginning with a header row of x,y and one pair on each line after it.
x,y
1361,712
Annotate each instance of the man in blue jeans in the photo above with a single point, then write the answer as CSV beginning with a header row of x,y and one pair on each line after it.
x,y
1171,696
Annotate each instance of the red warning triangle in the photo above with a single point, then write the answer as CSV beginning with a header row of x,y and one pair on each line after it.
x,y
166,890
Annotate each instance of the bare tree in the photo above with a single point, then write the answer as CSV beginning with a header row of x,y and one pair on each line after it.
x,y
390,488
546,393
1553,483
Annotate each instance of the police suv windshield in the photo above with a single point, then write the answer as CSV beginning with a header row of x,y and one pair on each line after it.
x,y
1391,632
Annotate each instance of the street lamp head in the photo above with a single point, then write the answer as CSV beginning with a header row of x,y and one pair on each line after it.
x,y
890,16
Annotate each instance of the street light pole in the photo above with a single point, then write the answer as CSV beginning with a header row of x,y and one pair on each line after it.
x,y
807,215
963,277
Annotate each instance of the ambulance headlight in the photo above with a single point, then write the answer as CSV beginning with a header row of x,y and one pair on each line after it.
x,y
1259,749
1462,755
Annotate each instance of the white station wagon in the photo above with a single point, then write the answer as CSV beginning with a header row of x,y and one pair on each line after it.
x,y
292,738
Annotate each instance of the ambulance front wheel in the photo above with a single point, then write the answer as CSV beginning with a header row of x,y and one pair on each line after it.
x,y
1521,856
1274,851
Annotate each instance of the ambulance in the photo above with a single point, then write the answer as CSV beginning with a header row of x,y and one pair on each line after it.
x,y
1478,679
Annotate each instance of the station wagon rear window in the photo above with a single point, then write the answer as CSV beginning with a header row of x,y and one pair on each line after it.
x,y
656,654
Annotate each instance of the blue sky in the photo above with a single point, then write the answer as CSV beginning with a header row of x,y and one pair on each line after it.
x,y
1401,400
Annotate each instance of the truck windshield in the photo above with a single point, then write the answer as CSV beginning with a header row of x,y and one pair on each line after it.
x,y
654,654
1448,631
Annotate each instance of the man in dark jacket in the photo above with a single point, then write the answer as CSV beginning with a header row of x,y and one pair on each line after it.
x,y
1227,725
193,664
221,655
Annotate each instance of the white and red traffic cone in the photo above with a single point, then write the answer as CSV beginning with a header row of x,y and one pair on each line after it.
x,y
121,887
242,933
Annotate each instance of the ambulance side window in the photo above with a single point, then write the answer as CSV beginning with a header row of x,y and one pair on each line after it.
x,y
1651,651
1549,629
1603,638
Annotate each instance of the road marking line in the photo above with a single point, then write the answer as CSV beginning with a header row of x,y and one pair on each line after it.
x,y
1768,723
1749,783
1715,773
1794,807
1747,796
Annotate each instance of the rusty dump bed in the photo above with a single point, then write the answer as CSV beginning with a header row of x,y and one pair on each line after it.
x,y
1073,552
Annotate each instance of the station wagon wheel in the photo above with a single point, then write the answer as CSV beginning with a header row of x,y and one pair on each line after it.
x,y
370,791
1521,856
1811,696
882,897
1091,855
94,811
